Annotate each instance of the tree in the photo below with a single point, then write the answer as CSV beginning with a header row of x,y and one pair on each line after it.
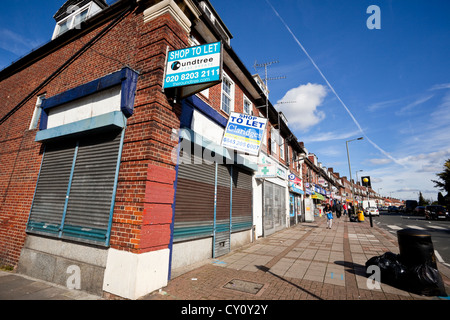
x,y
441,199
444,176
422,201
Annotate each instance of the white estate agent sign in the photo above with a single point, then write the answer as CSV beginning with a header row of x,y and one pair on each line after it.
x,y
244,133
194,65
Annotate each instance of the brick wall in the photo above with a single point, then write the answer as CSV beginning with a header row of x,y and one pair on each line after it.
x,y
143,211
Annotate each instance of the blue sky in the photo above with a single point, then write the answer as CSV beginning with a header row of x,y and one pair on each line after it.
x,y
390,85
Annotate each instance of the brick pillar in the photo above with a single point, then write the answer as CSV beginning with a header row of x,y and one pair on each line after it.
x,y
143,213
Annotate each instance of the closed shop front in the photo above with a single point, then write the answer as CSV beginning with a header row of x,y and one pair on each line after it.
x,y
212,202
74,196
274,207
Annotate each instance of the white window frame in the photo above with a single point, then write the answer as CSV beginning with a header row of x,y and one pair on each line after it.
x,y
250,105
282,155
71,19
230,96
274,144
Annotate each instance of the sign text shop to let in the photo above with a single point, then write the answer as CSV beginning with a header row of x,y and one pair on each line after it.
x,y
194,65
244,133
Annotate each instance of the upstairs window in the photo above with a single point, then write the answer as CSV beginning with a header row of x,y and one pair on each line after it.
x,y
247,106
74,16
227,104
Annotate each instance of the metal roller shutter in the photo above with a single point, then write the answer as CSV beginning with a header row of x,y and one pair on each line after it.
x,y
242,218
194,210
212,200
74,195
51,190
91,191
222,222
274,208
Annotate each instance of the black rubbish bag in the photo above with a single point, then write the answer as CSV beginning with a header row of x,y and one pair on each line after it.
x,y
422,279
392,271
425,280
417,255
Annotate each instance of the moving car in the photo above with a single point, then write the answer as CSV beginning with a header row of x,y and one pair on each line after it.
x,y
392,209
372,210
419,211
436,213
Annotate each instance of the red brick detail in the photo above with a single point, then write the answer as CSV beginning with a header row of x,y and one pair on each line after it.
x,y
155,213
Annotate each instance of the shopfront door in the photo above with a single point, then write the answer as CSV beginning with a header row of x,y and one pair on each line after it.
x,y
292,209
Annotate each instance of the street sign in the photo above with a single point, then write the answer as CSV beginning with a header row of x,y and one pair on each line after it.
x,y
244,133
194,66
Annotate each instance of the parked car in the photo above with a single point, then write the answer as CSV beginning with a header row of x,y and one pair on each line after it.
x,y
392,209
419,211
436,213
373,211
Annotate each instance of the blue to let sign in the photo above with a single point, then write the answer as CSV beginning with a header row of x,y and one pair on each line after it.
x,y
194,65
244,133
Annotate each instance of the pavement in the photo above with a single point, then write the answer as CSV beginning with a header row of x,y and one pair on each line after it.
x,y
304,262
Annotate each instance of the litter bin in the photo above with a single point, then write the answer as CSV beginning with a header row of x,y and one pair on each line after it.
x,y
417,255
416,247
360,216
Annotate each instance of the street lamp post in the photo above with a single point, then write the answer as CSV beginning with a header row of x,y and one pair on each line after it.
x,y
349,167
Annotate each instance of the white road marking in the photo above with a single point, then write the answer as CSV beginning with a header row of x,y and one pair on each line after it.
x,y
438,227
415,227
438,256
394,227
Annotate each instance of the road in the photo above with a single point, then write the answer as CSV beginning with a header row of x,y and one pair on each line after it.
x,y
439,230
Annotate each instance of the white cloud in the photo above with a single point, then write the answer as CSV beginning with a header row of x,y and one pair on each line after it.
x,y
419,169
380,161
384,104
441,86
303,112
413,104
328,136
16,43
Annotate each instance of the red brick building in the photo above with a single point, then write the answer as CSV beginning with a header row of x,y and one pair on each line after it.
x,y
88,139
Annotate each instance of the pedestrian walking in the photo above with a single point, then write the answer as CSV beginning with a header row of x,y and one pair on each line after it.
x,y
329,214
344,206
351,212
339,210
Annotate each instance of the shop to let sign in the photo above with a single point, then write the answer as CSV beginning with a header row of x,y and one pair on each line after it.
x,y
244,133
194,65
